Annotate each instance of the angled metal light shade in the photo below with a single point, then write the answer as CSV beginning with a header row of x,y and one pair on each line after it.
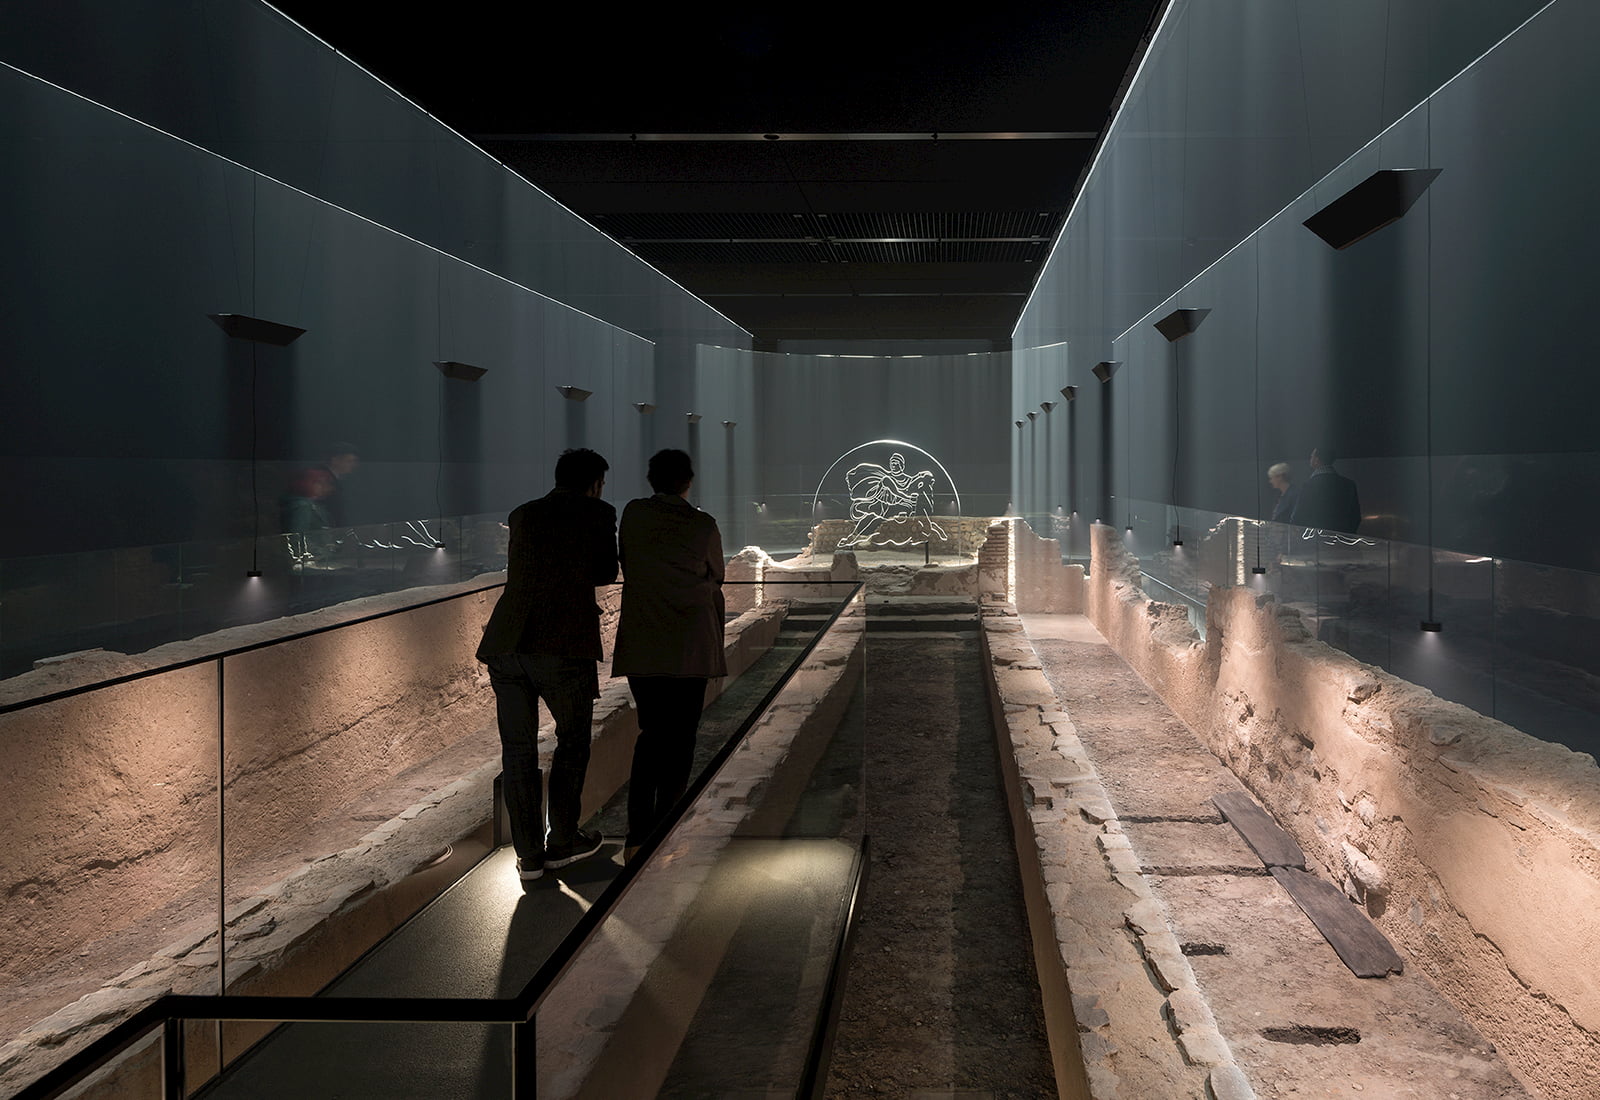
x,y
573,393
1019,423
1381,198
1048,405
1033,415
1180,323
1430,626
464,372
255,329
1106,369
1069,392
644,407
693,418
730,423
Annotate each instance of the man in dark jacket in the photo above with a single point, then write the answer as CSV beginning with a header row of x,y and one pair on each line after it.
x,y
543,641
1328,499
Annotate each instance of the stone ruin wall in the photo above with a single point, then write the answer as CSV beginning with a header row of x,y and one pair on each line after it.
x,y
963,534
1473,846
108,799
118,787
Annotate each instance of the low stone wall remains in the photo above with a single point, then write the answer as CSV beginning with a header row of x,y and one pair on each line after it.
x,y
962,534
1473,846
1123,1012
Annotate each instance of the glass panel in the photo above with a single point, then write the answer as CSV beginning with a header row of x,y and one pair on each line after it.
x,y
110,819
1546,634
372,1059
710,975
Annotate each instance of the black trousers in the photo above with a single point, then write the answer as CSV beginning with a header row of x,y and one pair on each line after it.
x,y
669,714
568,686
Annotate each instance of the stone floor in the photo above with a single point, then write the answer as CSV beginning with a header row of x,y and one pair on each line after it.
x,y
1299,1023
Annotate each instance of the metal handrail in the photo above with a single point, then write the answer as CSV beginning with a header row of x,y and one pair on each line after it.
x,y
519,1010
221,655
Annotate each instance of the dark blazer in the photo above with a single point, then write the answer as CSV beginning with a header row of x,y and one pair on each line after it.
x,y
672,606
563,546
1328,501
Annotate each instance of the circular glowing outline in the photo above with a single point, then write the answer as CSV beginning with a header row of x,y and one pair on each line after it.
x,y
816,496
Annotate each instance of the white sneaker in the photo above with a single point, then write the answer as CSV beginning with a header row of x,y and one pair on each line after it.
x,y
530,871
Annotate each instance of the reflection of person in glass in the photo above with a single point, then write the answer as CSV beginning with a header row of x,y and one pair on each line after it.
x,y
542,642
314,503
1328,500
669,639
877,494
1288,493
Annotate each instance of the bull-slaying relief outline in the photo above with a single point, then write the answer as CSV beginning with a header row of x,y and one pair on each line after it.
x,y
878,494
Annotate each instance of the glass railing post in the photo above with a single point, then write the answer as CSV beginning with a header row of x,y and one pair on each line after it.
x,y
172,1070
524,1059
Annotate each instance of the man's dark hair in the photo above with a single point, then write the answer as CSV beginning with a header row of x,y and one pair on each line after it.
x,y
578,468
1328,455
670,471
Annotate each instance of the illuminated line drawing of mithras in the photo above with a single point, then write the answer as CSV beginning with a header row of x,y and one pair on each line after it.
x,y
878,494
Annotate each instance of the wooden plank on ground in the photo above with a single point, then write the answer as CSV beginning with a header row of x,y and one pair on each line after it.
x,y
1365,950
1275,847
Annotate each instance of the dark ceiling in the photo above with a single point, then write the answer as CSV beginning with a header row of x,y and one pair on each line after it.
x,y
832,173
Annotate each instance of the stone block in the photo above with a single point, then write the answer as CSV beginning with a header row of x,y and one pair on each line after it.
x,y
1228,1082
1089,1012
1144,917
1204,1047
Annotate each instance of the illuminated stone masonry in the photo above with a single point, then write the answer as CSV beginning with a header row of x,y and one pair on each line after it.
x,y
1470,844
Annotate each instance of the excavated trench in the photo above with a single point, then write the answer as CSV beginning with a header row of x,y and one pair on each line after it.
x,y
942,997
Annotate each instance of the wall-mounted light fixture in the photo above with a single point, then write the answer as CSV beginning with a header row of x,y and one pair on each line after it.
x,y
730,423
461,372
243,327
1376,201
1069,392
1019,423
1106,369
1180,323
573,393
644,407
1048,405
693,418
1033,416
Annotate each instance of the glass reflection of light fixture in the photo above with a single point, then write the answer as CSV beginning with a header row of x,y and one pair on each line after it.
x,y
1375,202
1180,323
255,330
461,372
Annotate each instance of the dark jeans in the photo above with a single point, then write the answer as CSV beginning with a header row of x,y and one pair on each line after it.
x,y
568,686
669,713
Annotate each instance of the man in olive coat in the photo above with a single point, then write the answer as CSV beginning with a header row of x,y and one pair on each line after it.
x,y
543,641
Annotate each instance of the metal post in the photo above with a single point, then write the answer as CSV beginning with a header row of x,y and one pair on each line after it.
x,y
222,856
172,1074
524,1058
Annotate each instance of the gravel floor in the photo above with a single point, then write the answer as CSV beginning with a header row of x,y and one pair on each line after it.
x,y
942,997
